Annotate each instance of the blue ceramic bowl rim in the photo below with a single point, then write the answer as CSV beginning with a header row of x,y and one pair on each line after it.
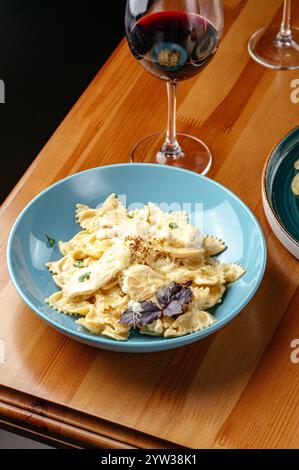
x,y
177,341
265,190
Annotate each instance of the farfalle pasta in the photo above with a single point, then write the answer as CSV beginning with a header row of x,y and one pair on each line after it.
x,y
146,269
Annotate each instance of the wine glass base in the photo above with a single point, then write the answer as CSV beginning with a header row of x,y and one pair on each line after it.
x,y
196,155
265,49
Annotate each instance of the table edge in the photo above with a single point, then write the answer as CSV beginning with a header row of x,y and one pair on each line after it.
x,y
66,426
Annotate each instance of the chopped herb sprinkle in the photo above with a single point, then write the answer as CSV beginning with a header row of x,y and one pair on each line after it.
x,y
78,263
51,241
84,277
173,225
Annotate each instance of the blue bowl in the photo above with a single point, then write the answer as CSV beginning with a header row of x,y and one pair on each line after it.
x,y
52,213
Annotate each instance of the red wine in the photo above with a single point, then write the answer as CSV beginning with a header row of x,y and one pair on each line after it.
x,y
173,45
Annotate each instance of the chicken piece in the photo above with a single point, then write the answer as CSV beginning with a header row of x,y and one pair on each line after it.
x,y
100,273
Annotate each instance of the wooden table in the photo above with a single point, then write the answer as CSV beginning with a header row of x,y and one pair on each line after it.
x,y
236,388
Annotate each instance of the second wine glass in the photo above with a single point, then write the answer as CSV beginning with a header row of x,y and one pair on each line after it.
x,y
174,40
277,49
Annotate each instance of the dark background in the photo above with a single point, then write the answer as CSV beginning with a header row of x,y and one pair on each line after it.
x,y
49,52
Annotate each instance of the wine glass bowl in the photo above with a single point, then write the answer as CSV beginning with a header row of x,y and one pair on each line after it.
x,y
173,40
173,45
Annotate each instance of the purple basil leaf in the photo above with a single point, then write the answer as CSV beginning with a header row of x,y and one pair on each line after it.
x,y
150,313
128,317
184,296
171,300
163,296
173,297
175,288
173,308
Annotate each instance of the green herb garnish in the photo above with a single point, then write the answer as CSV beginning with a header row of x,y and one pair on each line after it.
x,y
173,225
84,277
51,241
78,263
130,216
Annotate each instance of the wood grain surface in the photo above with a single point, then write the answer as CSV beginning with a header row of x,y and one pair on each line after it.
x,y
236,388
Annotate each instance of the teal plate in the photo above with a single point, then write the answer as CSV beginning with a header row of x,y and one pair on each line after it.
x,y
280,202
52,213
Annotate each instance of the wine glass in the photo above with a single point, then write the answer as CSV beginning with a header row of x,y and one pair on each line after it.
x,y
277,49
173,40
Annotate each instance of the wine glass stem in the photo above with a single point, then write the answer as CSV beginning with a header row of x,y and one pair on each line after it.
x,y
171,147
171,123
285,33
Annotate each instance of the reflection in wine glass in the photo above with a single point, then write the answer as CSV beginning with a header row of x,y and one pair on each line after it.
x,y
173,40
277,49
